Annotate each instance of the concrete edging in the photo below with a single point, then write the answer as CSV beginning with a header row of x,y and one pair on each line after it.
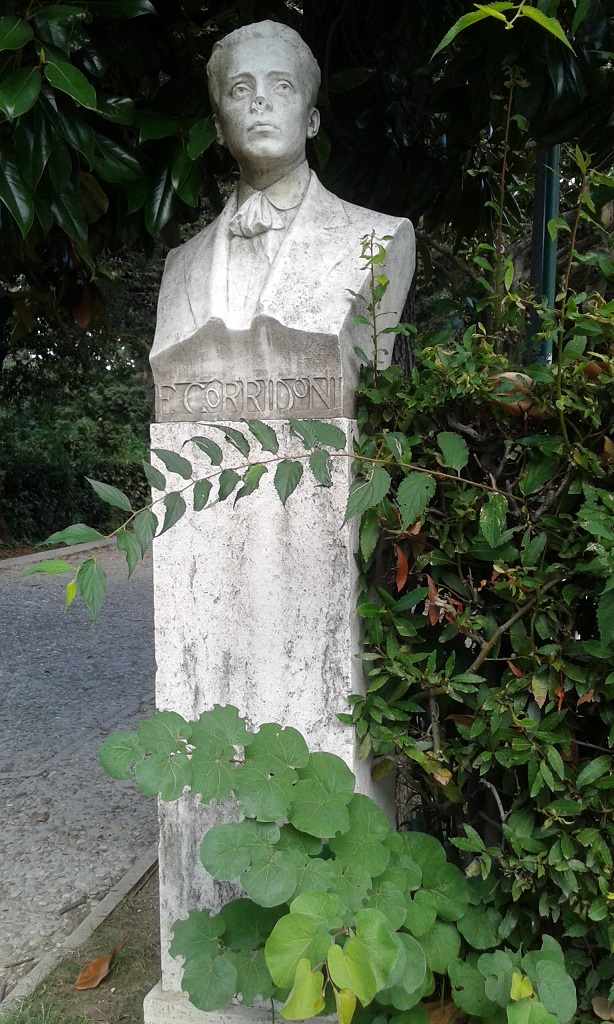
x,y
82,933
44,556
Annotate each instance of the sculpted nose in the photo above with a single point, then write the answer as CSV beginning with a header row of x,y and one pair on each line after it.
x,y
260,103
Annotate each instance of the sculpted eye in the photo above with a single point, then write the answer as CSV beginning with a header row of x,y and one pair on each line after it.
x,y
239,90
283,87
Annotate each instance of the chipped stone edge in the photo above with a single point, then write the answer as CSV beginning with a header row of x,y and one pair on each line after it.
x,y
44,556
26,986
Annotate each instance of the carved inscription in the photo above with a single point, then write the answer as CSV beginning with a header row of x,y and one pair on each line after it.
x,y
284,397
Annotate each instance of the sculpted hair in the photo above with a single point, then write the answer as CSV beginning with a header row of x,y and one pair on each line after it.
x,y
310,68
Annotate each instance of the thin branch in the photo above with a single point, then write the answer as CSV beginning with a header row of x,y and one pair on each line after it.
x,y
489,785
503,628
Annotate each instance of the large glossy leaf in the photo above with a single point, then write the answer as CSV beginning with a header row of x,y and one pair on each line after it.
x,y
114,163
120,8
117,109
202,134
69,79
15,194
19,91
77,132
68,213
33,143
160,199
14,33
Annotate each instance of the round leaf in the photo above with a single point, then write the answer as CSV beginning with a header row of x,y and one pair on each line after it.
x,y
294,937
210,982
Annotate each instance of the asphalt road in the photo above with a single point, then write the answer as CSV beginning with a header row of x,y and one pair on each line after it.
x,y
67,831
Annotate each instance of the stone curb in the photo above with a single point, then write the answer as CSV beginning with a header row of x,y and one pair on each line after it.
x,y
85,930
74,549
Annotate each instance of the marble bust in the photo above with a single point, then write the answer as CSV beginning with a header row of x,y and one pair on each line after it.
x,y
255,315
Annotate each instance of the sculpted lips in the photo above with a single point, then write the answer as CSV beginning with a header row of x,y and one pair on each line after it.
x,y
263,124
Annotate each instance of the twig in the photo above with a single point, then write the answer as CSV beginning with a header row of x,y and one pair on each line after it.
x,y
435,730
489,785
503,628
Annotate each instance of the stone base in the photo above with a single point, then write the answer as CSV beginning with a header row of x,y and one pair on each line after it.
x,y
163,1007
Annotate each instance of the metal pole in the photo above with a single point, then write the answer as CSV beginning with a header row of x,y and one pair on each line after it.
x,y
543,257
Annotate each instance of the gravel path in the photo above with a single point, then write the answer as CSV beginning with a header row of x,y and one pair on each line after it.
x,y
67,831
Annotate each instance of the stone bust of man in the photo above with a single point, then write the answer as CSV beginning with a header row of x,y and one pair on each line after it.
x,y
256,308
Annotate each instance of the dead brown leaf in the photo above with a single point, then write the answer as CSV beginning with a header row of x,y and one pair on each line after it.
x,y
586,698
92,974
602,1008
515,670
402,569
446,1014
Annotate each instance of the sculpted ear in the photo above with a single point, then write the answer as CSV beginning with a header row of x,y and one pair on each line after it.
x,y
218,128
313,124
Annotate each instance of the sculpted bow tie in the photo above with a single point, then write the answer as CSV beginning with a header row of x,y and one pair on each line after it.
x,y
256,216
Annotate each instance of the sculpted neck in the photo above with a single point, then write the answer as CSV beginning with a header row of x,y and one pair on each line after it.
x,y
262,176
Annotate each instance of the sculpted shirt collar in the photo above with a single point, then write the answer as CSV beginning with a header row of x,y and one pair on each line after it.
x,y
285,194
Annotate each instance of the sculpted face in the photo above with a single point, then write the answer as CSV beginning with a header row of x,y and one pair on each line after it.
x,y
265,114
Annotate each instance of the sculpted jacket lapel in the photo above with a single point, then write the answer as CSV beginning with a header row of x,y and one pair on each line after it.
x,y
207,271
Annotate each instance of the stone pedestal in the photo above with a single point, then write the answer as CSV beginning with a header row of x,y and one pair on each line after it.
x,y
255,607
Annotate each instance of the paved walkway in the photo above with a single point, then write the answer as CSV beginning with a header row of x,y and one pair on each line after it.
x,y
67,831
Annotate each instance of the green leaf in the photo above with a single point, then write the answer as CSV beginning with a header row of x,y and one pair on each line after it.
x,y
529,1011
251,479
550,24
33,143
210,982
351,968
119,752
196,936
306,998
254,978
390,901
145,525
202,490
234,437
320,465
287,478
320,905
155,478
594,770
19,91
421,913
246,925
492,518
556,990
202,134
165,732
15,194
273,748
294,937
317,811
128,543
209,447
605,618
441,945
175,507
221,723
227,483
466,21
414,493
116,109
77,132
367,492
174,463
227,850
164,775
538,472
426,851
304,430
330,771
14,33
369,533
328,434
449,887
468,990
213,774
408,974
480,927
120,8
68,212
351,885
69,79
114,163
69,594
454,450
373,930
261,795
264,434
77,534
272,879
91,581
52,567
363,844
110,494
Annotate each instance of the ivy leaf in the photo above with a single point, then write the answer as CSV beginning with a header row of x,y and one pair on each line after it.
x,y
320,905
306,998
272,748
164,733
128,543
373,930
468,991
69,79
264,434
449,887
480,927
287,478
227,850
234,437
413,495
351,968
320,465
421,913
119,752
19,91
213,774
210,981
175,507
200,497
246,925
294,937
351,885
406,981
222,723
155,478
317,811
254,978
79,533
14,33
529,1011
390,901
453,447
251,479
363,844
556,990
272,878
367,492
91,582
331,772
441,945
111,495
197,936
492,518
163,775
261,795
174,463
227,483
209,447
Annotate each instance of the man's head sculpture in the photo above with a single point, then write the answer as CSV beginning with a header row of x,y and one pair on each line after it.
x,y
263,84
